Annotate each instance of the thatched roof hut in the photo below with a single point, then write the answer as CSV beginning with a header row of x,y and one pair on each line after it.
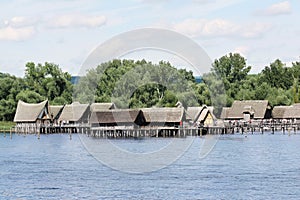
x,y
127,117
224,112
31,112
164,116
102,106
200,115
256,109
286,112
55,111
75,113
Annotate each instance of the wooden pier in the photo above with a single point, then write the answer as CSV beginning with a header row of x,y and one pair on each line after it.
x,y
262,127
44,129
164,131
116,132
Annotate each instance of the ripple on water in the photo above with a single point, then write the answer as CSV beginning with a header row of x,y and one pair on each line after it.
x,y
54,167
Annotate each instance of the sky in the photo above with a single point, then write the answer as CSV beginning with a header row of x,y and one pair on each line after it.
x,y
65,32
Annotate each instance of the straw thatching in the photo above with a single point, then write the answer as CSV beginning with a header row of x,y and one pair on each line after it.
x,y
200,115
258,109
55,111
75,113
193,113
224,113
163,115
206,117
286,112
117,117
30,113
102,106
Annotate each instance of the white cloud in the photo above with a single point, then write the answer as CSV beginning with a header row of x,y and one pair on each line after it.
x,y
243,50
281,8
20,21
75,20
219,27
16,34
254,30
204,27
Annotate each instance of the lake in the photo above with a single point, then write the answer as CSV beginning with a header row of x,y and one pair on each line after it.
x,y
55,167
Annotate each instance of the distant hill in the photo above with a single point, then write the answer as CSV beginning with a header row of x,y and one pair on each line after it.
x,y
75,79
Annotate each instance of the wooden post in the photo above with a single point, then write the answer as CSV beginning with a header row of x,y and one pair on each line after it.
x,y
201,129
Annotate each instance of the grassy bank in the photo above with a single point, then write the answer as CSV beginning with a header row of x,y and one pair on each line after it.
x,y
6,126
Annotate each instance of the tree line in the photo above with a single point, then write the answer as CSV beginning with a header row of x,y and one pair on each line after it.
x,y
40,82
138,84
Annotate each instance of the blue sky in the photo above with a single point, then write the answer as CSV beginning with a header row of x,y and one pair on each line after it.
x,y
66,31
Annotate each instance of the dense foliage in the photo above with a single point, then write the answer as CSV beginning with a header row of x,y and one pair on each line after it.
x,y
277,83
40,82
137,84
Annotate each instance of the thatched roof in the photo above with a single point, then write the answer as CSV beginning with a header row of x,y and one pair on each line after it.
x,y
278,112
224,113
102,106
256,107
204,114
198,113
31,112
73,112
163,114
55,111
286,112
115,116
193,113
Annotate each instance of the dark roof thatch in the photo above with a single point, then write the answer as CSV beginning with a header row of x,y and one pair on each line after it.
x,y
163,115
286,112
102,106
55,111
115,116
257,108
73,112
31,112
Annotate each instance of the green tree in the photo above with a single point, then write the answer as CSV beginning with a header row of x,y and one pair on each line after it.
x,y
232,69
29,96
10,86
49,81
277,75
134,84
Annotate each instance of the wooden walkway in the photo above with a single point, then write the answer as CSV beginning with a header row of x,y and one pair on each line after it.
x,y
271,127
127,132
118,131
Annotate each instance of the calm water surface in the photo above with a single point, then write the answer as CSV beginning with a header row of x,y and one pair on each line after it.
x,y
55,167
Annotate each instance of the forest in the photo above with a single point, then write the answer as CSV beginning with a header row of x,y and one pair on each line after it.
x,y
138,84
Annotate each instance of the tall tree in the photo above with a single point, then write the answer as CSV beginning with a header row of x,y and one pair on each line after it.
x,y
277,75
232,70
49,81
10,86
134,84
